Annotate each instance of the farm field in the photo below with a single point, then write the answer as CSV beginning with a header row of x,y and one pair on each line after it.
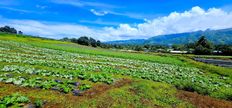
x,y
48,73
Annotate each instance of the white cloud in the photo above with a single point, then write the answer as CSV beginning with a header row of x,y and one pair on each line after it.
x,y
134,15
98,13
191,20
69,2
41,6
81,3
100,22
53,30
16,10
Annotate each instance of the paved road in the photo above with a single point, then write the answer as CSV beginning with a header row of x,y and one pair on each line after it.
x,y
217,62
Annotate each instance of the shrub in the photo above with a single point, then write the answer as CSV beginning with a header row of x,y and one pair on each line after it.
x,y
223,93
38,103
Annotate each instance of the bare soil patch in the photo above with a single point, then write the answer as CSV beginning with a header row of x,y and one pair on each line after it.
x,y
100,89
203,101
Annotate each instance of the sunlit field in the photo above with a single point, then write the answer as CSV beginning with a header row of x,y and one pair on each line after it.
x,y
49,73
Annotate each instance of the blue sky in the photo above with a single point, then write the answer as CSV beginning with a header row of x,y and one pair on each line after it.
x,y
114,19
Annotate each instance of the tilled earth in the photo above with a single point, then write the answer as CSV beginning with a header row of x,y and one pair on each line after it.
x,y
201,101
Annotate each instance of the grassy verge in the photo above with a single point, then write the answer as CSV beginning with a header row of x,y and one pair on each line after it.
x,y
138,94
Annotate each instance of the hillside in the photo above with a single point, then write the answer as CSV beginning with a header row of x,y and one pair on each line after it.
x,y
223,36
63,74
128,42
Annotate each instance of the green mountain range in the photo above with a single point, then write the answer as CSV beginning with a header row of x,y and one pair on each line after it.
x,y
222,36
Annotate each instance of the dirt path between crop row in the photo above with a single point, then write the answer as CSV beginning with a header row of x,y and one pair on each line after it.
x,y
198,100
100,89
91,93
201,101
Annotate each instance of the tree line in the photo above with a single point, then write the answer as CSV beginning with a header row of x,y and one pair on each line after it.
x,y
200,47
89,41
8,29
205,47
84,40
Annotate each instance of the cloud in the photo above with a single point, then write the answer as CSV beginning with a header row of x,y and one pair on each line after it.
x,y
188,21
80,3
41,6
176,22
100,22
69,2
103,6
24,11
54,30
98,13
135,15
17,10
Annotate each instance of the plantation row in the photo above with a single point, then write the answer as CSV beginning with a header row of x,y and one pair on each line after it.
x,y
64,86
17,100
100,77
72,66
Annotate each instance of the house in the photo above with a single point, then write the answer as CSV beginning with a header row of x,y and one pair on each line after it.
x,y
179,52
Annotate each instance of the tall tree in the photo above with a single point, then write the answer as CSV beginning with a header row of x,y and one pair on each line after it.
x,y
20,32
99,43
225,49
203,46
8,29
93,42
83,41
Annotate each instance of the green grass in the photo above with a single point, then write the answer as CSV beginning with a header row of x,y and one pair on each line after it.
x,y
71,47
160,58
181,60
139,93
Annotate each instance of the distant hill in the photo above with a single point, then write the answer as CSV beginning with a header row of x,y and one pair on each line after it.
x,y
223,36
130,42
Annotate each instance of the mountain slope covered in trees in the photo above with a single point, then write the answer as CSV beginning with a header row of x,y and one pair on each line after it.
x,y
223,36
131,42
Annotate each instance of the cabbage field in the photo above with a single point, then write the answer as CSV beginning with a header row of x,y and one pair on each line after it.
x,y
74,74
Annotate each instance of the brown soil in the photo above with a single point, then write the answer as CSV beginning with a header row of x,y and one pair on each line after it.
x,y
198,100
51,103
100,89
201,101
